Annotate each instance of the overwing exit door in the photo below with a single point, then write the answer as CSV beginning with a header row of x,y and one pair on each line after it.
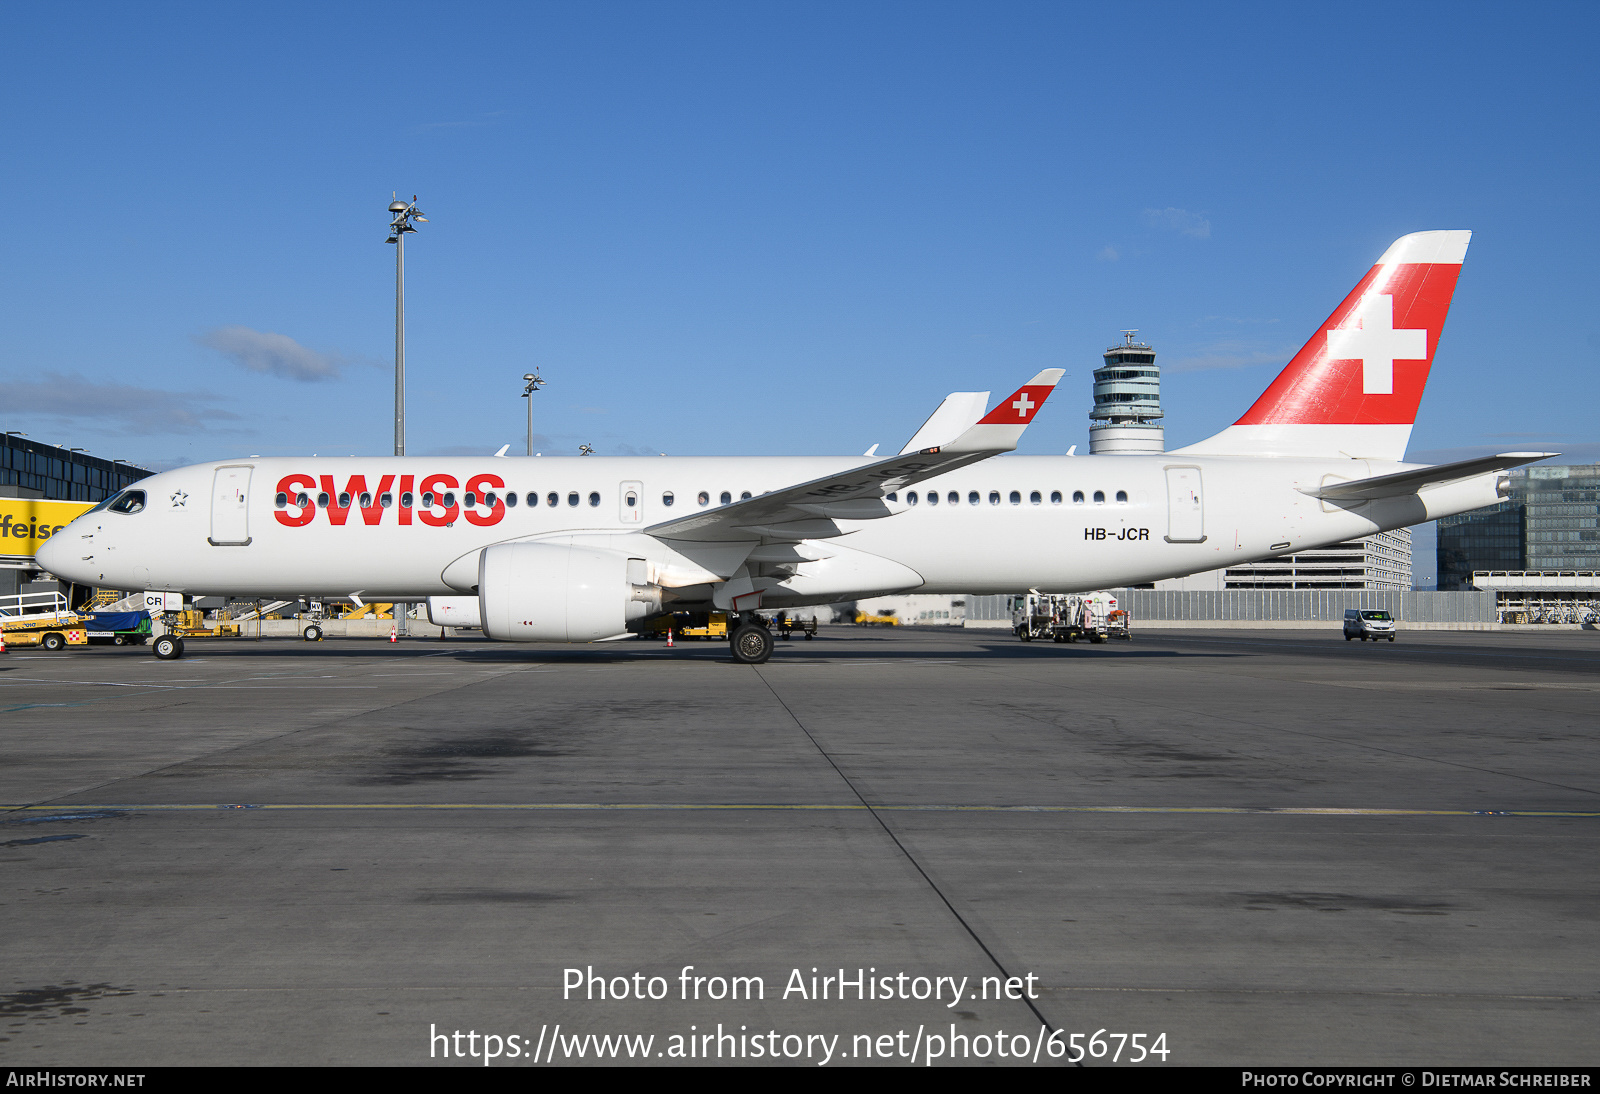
x,y
631,498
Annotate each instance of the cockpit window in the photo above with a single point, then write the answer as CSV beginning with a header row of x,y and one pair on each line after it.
x,y
130,501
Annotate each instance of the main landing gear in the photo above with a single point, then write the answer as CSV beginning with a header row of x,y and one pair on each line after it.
x,y
750,641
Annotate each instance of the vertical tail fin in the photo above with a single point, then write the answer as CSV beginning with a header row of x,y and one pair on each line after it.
x,y
1354,388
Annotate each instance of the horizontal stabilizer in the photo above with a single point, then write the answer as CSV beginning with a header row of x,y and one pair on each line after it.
x,y
1409,482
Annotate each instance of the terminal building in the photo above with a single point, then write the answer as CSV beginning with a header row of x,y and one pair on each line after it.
x,y
36,482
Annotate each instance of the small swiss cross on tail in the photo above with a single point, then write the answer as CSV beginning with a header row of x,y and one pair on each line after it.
x,y
1001,428
1020,408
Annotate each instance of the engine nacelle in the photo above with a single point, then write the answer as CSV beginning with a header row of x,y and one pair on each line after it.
x,y
556,592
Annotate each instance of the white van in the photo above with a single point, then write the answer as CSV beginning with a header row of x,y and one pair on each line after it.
x,y
1365,623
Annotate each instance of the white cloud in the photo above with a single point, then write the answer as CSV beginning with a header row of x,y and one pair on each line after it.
x,y
67,401
1108,254
274,354
1181,221
1228,355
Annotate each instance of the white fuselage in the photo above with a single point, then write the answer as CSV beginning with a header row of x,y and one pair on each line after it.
x,y
1131,525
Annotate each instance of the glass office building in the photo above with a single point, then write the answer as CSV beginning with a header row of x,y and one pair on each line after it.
x,y
32,469
1563,505
1484,539
1550,522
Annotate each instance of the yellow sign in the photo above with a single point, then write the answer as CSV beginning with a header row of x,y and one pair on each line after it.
x,y
27,522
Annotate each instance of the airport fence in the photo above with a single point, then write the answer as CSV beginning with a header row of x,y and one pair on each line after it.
x,y
1276,605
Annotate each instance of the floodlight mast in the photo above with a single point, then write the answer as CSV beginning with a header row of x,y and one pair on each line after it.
x,y
532,383
401,215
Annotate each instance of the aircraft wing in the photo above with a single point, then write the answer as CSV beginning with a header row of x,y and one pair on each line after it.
x,y
808,510
1409,482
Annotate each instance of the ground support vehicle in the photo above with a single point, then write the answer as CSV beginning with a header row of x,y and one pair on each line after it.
x,y
47,630
867,619
788,627
118,628
712,625
1067,617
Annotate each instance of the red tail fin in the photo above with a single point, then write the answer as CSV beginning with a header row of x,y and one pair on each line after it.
x,y
1354,388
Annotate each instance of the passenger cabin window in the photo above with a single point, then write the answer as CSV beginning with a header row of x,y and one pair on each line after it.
x,y
511,501
386,501
489,500
344,500
705,498
911,498
973,497
953,498
594,498
726,497
366,500
282,500
1016,497
1055,497
1099,497
303,499
471,499
552,499
449,499
572,498
667,499
933,497
632,499
994,497
322,499
1077,497
745,496
894,497
427,499
1034,498
1122,497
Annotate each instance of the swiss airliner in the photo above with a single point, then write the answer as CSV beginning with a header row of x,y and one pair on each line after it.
x,y
584,549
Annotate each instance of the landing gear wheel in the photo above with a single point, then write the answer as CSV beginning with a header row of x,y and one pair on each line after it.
x,y
168,648
752,644
313,633
53,642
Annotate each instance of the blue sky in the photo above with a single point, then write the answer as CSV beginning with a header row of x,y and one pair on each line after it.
x,y
770,228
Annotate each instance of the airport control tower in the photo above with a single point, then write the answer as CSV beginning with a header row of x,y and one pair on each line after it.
x,y
1127,401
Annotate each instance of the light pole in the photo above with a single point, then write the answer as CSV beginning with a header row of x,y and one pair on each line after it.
x,y
401,215
534,383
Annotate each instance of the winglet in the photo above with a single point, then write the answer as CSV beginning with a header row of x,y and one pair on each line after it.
x,y
1001,428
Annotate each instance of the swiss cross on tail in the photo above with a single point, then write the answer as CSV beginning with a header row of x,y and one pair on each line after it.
x,y
1369,362
1020,408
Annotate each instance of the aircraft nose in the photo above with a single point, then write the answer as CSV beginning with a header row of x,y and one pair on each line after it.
x,y
55,555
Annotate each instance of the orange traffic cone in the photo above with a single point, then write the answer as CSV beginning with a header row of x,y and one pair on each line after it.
x,y
392,637
669,638
2,641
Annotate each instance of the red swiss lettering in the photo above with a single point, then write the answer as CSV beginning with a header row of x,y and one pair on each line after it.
x,y
481,485
292,485
436,485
